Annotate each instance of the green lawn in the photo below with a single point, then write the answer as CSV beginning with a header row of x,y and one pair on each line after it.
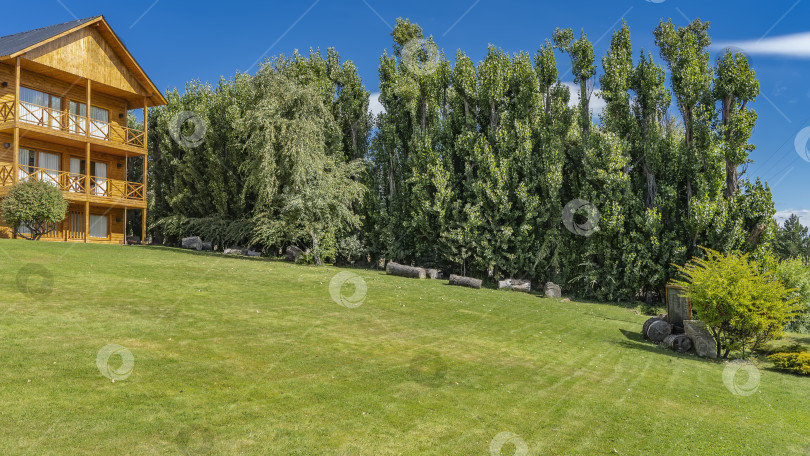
x,y
250,356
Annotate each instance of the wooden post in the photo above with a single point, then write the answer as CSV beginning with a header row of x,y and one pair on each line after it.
x,y
16,159
145,163
87,167
88,108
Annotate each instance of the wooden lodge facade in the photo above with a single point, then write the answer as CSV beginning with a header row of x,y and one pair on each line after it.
x,y
65,94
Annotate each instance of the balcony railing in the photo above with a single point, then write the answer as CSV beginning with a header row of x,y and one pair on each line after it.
x,y
65,121
74,183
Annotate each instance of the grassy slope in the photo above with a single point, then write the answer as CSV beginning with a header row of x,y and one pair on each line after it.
x,y
251,356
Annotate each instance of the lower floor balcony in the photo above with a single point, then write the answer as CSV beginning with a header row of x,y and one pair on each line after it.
x,y
76,186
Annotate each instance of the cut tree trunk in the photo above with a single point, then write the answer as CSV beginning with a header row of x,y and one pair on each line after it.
x,y
658,330
401,270
515,285
434,274
678,342
465,281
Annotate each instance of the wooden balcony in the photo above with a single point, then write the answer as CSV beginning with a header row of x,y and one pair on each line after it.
x,y
103,190
45,123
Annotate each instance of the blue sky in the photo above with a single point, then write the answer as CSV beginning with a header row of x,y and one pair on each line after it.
x,y
176,41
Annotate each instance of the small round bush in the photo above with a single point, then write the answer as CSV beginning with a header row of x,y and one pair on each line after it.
x,y
35,205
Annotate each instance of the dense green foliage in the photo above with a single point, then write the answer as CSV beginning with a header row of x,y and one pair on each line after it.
x,y
473,164
267,160
742,306
797,363
792,240
795,275
35,205
492,169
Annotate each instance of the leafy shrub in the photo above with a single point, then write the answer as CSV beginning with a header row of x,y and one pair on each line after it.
x,y
36,205
351,249
797,363
795,275
741,305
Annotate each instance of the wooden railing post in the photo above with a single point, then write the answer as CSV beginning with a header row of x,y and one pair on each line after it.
x,y
145,163
16,159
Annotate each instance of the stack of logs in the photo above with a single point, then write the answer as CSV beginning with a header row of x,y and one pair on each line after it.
x,y
658,330
551,290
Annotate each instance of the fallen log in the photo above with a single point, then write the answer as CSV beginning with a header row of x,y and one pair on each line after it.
x,y
434,274
206,245
515,285
465,281
658,330
647,326
678,342
401,270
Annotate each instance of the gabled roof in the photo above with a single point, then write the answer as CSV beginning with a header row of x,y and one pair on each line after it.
x,y
12,46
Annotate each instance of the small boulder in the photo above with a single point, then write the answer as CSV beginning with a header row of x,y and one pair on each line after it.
x,y
192,243
293,253
552,290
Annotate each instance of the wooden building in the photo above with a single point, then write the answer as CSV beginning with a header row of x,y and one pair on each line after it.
x,y
65,94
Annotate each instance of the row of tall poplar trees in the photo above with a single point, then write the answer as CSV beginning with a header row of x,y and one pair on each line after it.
x,y
471,166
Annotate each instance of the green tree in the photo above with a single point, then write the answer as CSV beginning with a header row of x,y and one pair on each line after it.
x,y
792,240
742,306
38,206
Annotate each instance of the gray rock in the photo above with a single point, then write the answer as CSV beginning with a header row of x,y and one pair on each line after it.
x,y
293,253
552,290
701,338
193,243
206,245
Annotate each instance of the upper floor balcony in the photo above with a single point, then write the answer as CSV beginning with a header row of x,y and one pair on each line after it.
x,y
43,122
78,187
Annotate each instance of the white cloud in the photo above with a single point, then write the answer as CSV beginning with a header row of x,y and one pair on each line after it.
x,y
796,45
597,104
374,105
804,216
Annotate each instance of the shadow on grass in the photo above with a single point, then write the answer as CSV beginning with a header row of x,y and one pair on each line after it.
x,y
637,342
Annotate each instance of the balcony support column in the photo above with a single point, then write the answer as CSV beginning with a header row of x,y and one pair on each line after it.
x,y
145,163
15,177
